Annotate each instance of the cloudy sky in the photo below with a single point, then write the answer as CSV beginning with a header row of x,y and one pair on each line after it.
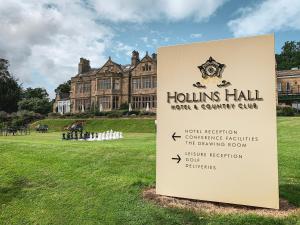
x,y
44,39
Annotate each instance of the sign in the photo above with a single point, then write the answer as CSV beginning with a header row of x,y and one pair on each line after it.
x,y
216,122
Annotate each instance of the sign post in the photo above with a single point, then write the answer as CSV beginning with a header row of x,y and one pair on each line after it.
x,y
216,122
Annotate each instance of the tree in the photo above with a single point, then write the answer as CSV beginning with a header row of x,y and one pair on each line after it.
x,y
64,88
38,105
35,93
289,56
35,100
10,89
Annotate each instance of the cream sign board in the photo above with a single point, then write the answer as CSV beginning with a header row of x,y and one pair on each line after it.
x,y
216,122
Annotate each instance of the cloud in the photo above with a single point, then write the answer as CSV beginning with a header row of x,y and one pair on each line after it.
x,y
144,39
44,41
120,49
196,35
268,16
138,11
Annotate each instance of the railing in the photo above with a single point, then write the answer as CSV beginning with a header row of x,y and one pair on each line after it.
x,y
289,95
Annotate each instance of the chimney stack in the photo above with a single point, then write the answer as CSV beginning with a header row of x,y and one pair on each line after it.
x,y
135,58
154,56
83,66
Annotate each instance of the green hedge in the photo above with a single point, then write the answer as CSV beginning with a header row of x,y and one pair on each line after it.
x,y
286,111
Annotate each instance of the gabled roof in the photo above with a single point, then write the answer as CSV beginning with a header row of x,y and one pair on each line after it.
x,y
119,68
147,58
109,62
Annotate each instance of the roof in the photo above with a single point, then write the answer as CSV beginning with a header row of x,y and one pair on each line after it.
x,y
110,62
288,73
127,67
123,68
92,71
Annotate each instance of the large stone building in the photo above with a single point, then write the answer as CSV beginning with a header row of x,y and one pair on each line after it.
x,y
112,85
108,87
288,87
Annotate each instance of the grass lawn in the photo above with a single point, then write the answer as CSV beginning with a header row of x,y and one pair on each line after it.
x,y
131,125
44,180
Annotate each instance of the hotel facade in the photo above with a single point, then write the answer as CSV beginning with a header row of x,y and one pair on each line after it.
x,y
108,87
113,85
288,87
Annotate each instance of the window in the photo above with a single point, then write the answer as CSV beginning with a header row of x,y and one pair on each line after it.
x,y
115,102
146,82
141,102
78,88
136,83
82,104
105,84
116,84
153,101
83,87
86,87
136,102
154,82
105,102
288,87
279,86
146,67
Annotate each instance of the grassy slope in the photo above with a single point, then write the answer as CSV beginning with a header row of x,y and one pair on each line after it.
x,y
126,125
44,180
289,158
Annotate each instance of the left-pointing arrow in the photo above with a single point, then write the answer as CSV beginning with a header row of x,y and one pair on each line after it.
x,y
178,158
174,136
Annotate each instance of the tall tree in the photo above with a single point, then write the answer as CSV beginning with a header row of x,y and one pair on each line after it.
x,y
289,56
35,93
36,100
64,88
38,105
10,89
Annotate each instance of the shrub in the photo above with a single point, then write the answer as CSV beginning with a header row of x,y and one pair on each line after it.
x,y
53,115
82,115
134,112
17,122
114,114
147,113
23,117
28,116
285,110
97,113
68,115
